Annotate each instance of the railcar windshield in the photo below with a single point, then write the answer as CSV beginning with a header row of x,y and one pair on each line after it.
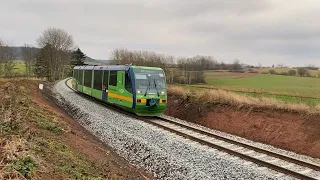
x,y
149,81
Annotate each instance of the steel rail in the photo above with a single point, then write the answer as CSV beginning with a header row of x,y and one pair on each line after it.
x,y
215,146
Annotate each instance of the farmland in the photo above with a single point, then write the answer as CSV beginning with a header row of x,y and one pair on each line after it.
x,y
19,68
289,89
267,83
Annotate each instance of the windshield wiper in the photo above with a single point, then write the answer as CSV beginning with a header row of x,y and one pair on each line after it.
x,y
155,84
148,87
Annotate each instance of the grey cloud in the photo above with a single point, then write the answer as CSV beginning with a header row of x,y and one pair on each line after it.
x,y
252,31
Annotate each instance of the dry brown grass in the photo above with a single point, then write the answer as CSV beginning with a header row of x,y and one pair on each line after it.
x,y
225,97
15,147
179,91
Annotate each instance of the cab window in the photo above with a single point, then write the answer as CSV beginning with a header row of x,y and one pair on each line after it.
x,y
128,83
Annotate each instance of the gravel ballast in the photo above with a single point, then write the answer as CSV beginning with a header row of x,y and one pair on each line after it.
x,y
291,154
166,155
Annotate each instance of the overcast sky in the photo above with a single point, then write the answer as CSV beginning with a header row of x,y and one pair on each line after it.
x,y
253,31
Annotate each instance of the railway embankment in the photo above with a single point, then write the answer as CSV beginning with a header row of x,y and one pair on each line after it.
x,y
292,127
39,140
166,155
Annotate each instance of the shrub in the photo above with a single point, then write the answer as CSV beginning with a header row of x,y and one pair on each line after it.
x,y
292,72
272,71
284,73
302,71
252,71
308,74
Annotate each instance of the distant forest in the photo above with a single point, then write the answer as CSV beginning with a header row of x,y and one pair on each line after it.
x,y
18,55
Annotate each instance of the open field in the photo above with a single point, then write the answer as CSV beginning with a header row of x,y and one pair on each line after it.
x,y
288,89
292,85
19,68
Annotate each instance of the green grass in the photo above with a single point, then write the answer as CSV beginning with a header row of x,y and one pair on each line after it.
x,y
19,68
289,89
293,85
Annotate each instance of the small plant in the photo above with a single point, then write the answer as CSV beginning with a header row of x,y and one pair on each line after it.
x,y
48,126
25,166
7,127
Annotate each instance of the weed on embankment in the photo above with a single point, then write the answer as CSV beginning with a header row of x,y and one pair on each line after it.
x,y
30,140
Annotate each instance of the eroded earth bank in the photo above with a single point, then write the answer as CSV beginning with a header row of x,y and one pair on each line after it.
x,y
297,132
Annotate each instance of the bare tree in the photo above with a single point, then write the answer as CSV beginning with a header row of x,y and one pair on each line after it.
x,y
59,53
29,56
236,65
7,59
1,56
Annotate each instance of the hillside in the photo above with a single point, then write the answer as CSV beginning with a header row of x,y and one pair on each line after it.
x,y
39,140
17,50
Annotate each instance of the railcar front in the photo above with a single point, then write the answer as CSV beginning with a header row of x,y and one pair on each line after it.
x,y
150,91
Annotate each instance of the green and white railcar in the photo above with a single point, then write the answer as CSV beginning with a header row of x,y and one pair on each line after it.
x,y
137,89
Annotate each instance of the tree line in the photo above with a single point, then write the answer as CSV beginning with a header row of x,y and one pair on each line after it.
x,y
178,70
53,59
56,55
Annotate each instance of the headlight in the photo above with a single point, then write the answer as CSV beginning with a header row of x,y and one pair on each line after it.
x,y
138,92
162,92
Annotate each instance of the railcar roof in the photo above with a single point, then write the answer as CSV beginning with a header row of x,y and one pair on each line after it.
x,y
114,67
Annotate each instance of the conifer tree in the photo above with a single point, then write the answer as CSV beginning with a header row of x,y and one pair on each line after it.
x,y
78,58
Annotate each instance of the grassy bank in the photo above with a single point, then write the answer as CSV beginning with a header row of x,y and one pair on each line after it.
x,y
30,137
242,100
37,142
287,98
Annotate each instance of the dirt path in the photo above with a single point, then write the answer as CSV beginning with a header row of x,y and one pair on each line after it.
x,y
79,139
288,131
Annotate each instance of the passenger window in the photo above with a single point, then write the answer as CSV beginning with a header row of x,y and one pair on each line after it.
x,y
128,83
87,78
113,78
97,84
81,77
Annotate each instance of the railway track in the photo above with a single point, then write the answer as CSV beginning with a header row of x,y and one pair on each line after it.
x,y
285,165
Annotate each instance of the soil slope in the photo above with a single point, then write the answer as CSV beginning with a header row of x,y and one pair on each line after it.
x,y
290,131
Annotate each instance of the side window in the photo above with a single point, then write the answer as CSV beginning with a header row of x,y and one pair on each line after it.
x,y
97,83
81,77
87,78
128,83
76,74
113,78
105,79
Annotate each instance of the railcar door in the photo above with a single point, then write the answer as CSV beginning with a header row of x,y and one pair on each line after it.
x,y
105,86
